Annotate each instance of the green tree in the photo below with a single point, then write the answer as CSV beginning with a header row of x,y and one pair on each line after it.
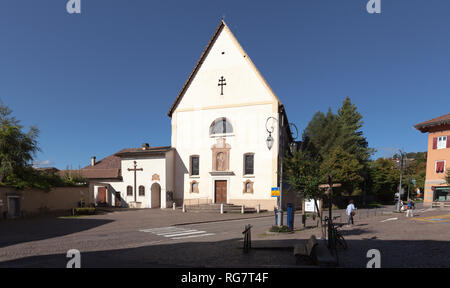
x,y
383,179
319,137
341,167
351,138
17,147
326,132
302,173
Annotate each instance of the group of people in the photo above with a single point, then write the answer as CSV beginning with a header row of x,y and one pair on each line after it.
x,y
351,210
409,207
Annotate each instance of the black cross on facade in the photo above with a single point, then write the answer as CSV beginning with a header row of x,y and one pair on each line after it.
x,y
135,170
221,84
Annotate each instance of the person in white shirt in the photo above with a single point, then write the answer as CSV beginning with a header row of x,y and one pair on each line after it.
x,y
350,212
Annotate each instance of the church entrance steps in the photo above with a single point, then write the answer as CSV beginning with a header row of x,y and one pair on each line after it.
x,y
215,208
177,233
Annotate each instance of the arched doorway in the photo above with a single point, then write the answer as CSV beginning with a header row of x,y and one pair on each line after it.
x,y
156,196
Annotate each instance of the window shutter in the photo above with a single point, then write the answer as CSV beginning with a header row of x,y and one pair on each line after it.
x,y
448,141
440,167
435,143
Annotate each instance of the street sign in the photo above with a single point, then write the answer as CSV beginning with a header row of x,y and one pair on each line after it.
x,y
310,206
413,181
275,192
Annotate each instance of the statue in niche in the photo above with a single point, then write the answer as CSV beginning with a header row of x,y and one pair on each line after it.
x,y
220,161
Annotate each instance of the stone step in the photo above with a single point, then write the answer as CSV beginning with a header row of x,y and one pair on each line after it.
x,y
323,256
227,208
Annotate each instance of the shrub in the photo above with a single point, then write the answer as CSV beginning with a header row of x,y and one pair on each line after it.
x,y
85,211
281,229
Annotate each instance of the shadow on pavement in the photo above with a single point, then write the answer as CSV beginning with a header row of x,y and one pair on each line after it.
x,y
20,231
397,253
229,253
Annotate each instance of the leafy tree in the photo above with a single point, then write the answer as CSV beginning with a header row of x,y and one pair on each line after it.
x,y
302,173
327,132
17,148
383,179
319,137
341,167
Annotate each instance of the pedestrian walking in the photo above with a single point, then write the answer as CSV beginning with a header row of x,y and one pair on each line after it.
x,y
410,208
351,211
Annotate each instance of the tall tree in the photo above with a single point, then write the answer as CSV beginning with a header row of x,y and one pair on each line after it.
x,y
383,179
17,147
319,137
351,137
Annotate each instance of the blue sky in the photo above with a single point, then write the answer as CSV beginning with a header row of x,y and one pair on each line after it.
x,y
104,80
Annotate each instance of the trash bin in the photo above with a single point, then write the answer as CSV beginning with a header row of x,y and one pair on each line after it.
x,y
290,216
278,217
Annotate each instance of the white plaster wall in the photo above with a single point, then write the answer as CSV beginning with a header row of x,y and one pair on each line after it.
x,y
247,102
249,136
112,187
151,165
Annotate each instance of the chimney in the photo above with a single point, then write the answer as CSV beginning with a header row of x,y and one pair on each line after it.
x,y
93,161
145,146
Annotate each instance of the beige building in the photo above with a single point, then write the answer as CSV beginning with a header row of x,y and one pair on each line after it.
x,y
437,191
221,120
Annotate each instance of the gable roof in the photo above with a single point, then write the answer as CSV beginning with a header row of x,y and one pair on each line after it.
x,y
110,167
222,25
425,126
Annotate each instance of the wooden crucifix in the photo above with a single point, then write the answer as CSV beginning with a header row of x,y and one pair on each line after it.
x,y
221,84
135,170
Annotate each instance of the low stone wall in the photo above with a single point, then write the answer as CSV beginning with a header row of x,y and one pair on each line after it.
x,y
35,201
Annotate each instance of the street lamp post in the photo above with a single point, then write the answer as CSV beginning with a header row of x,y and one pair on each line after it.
x,y
270,141
402,155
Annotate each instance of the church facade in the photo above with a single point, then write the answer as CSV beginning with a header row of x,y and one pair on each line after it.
x,y
221,121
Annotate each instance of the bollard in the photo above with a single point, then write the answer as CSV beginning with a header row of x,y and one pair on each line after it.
x,y
174,206
290,216
221,208
242,209
258,207
184,207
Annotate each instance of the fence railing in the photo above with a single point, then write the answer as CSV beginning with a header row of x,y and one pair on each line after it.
x,y
197,201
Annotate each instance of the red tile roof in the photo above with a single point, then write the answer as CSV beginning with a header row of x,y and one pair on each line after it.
x,y
442,120
110,167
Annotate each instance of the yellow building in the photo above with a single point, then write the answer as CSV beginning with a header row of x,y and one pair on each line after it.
x,y
437,191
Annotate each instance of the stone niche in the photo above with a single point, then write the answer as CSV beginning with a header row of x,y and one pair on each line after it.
x,y
221,155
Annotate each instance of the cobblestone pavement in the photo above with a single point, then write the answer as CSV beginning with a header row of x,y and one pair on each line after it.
x,y
159,238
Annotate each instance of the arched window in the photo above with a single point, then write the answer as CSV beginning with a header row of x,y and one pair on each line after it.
x,y
248,187
141,190
193,187
220,126
129,191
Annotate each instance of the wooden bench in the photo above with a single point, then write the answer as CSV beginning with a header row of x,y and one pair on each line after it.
x,y
306,251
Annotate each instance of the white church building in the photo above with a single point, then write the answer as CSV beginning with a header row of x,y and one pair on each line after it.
x,y
219,150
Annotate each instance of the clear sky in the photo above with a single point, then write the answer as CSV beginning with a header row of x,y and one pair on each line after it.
x,y
104,80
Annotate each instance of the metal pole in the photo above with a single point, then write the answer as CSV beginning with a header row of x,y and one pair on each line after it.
x,y
406,169
281,168
400,185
